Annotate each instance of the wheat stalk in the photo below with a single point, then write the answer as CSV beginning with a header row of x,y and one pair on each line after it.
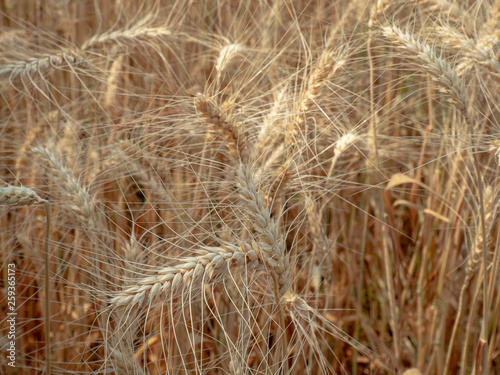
x,y
19,196
480,240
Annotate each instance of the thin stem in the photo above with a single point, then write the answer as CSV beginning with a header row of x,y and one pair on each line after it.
x,y
47,291
483,340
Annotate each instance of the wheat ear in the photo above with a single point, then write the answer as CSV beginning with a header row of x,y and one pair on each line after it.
x,y
19,196
272,244
40,65
272,249
325,68
222,125
479,51
120,158
171,282
133,34
76,194
490,209
440,70
226,54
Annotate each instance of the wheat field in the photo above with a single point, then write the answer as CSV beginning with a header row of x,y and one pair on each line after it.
x,y
249,187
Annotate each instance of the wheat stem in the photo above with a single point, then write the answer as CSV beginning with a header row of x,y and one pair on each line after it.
x,y
19,196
